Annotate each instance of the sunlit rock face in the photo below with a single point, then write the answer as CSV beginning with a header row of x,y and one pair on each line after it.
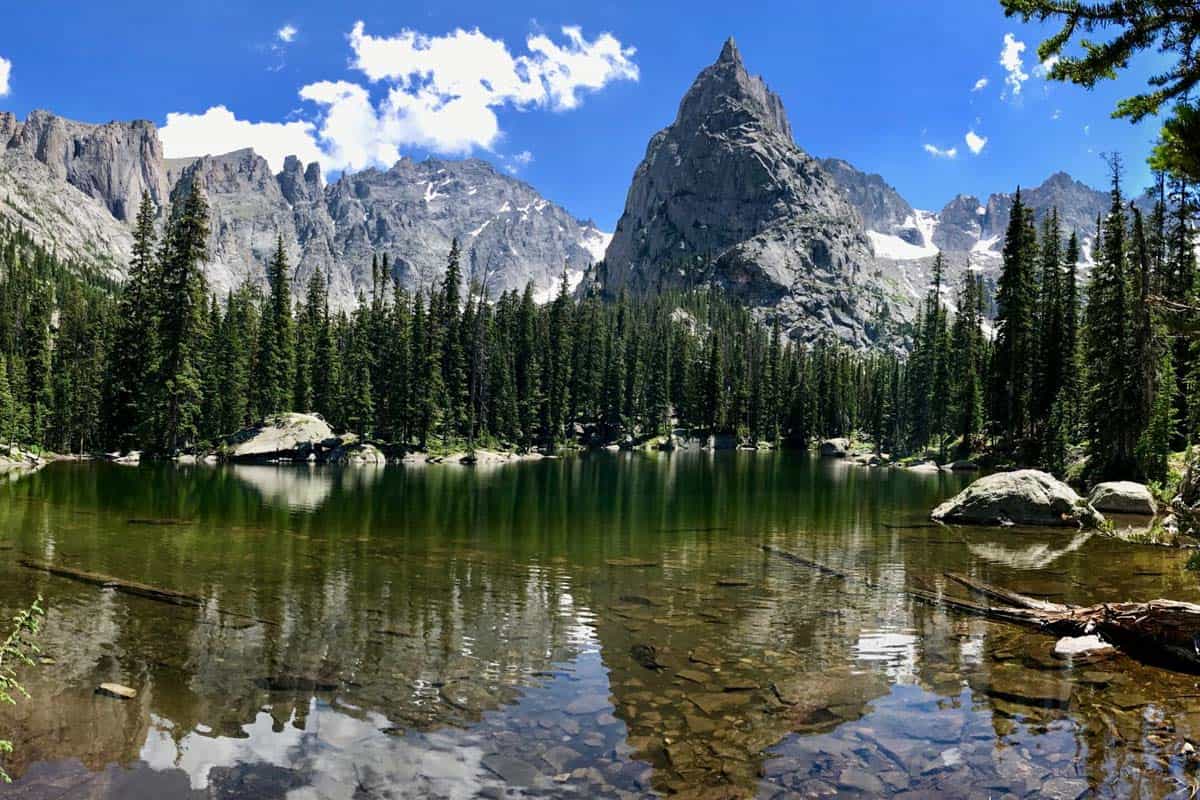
x,y
76,187
724,196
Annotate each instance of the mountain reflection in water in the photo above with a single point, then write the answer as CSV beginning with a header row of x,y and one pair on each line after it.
x,y
596,626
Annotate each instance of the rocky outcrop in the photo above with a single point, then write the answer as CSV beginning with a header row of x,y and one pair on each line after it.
x,y
1023,497
285,437
114,163
724,197
1123,497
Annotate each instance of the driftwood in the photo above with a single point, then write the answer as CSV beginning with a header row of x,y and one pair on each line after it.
x,y
1161,632
145,590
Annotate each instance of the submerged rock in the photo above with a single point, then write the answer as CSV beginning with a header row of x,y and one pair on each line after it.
x,y
1070,646
1023,497
1123,497
288,436
117,691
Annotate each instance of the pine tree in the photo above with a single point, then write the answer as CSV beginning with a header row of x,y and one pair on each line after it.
x,y
446,315
1050,321
134,341
277,339
1111,408
967,354
8,407
1015,350
181,322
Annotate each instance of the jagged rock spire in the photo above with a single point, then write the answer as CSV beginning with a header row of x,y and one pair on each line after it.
x,y
729,53
724,196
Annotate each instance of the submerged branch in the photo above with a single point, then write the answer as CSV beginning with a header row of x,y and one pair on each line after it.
x,y
1160,632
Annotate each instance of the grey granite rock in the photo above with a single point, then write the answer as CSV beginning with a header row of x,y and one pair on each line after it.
x,y
725,197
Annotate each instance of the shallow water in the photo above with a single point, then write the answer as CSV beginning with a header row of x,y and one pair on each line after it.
x,y
599,626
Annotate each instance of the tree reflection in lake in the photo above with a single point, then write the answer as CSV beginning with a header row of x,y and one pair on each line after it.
x,y
593,626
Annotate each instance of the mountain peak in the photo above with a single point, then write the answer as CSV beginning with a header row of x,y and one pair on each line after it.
x,y
729,53
727,95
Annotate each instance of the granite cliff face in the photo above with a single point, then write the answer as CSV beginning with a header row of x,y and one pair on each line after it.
x,y
77,187
725,197
113,163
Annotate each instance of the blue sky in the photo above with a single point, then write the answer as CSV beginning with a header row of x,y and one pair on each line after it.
x,y
871,81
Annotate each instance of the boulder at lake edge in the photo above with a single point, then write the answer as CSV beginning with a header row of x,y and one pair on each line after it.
x,y
1123,497
835,448
289,436
1023,497
358,454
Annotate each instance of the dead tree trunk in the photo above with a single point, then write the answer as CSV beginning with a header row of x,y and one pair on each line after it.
x,y
1161,632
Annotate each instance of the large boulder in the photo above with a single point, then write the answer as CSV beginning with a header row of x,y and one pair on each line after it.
x,y
1123,497
835,448
1023,497
283,437
357,454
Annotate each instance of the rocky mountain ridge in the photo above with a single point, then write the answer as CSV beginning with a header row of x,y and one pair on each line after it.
x,y
76,187
724,196
968,232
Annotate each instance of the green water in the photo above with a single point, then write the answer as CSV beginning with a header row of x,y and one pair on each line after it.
x,y
599,626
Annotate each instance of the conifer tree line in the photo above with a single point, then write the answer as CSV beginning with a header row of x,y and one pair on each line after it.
x,y
163,365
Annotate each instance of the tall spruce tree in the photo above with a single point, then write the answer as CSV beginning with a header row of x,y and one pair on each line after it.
x,y
134,341
1013,357
1112,412
181,322
277,339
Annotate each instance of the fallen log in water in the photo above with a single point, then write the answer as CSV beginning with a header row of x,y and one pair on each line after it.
x,y
1161,632
134,588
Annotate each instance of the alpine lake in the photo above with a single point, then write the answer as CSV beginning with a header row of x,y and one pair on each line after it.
x,y
595,626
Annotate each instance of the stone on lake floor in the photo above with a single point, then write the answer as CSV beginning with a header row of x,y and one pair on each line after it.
x,y
1027,690
1069,646
860,780
511,770
559,757
1123,497
588,704
1063,788
117,691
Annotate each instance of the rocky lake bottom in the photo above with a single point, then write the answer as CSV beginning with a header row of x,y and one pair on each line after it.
x,y
606,625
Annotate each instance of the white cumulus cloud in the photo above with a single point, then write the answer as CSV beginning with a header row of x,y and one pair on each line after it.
x,y
5,72
439,93
524,158
1042,70
287,33
218,131
980,85
1014,65
975,142
938,152
444,90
